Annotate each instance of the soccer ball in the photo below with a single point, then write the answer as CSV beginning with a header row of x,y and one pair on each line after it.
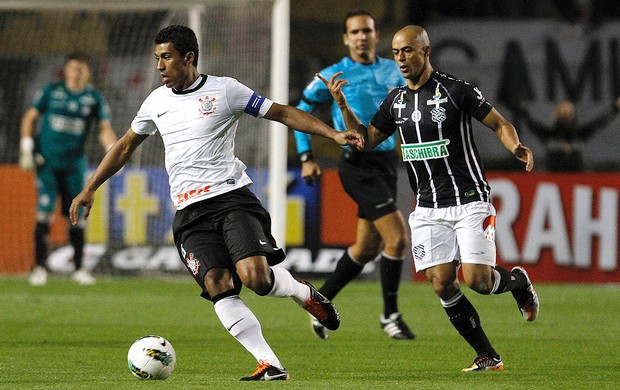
x,y
151,357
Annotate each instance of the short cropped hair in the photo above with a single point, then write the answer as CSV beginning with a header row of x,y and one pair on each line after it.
x,y
357,12
183,39
78,56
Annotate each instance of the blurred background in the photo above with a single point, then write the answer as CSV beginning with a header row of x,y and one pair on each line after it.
x,y
526,57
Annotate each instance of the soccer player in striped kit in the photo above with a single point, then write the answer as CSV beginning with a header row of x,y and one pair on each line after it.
x,y
221,230
453,225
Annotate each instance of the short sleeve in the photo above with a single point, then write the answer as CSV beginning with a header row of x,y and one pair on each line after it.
x,y
474,102
241,98
383,119
143,123
40,99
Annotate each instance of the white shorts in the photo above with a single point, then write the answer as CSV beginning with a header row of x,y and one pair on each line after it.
x,y
439,236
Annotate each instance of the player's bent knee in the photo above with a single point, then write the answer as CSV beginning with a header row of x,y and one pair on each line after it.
x,y
481,286
257,280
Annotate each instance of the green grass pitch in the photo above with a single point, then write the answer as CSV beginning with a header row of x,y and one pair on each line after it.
x,y
65,336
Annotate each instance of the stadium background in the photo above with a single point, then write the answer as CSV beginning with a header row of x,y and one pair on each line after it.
x,y
564,226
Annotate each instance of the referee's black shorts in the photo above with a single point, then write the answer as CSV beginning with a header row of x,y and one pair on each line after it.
x,y
370,180
219,231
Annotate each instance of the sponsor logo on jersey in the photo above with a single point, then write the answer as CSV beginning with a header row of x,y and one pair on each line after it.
x,y
192,194
479,93
425,150
207,105
65,124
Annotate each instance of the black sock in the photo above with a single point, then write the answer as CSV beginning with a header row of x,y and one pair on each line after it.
x,y
41,238
76,237
465,319
346,270
509,281
390,272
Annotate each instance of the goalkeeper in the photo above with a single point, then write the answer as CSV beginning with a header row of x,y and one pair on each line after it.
x,y
53,132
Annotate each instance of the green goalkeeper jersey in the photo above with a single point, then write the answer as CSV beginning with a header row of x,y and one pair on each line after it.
x,y
66,119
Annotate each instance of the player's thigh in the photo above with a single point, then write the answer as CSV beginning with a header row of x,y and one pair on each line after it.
x,y
476,234
247,232
201,250
432,242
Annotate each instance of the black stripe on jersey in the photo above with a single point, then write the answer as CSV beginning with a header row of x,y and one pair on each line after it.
x,y
440,110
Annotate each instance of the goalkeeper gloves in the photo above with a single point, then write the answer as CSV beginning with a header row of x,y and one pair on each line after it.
x,y
26,154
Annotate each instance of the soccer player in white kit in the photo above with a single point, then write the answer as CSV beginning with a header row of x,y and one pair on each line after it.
x,y
221,230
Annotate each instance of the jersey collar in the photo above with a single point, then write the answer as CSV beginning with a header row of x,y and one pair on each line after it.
x,y
200,81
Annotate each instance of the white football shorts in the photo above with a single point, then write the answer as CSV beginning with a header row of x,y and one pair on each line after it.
x,y
465,233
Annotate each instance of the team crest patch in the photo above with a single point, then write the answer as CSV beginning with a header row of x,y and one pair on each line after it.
x,y
192,264
419,252
207,105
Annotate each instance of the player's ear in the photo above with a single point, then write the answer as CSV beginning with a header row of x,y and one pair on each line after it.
x,y
189,57
427,50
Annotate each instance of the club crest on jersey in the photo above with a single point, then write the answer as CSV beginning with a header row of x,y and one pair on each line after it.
x,y
438,113
207,105
425,150
192,264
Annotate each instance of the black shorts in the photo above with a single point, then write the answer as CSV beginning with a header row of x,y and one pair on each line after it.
x,y
220,231
370,180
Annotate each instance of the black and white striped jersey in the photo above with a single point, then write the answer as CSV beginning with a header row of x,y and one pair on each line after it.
x,y
437,143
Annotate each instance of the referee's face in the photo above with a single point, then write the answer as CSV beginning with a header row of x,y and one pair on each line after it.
x,y
361,38
174,70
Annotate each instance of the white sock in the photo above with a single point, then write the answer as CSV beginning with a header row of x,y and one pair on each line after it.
x,y
243,325
285,285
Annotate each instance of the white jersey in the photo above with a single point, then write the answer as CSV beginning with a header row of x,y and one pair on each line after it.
x,y
198,127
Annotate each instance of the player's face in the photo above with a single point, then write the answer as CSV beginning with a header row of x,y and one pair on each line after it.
x,y
410,55
77,74
361,38
173,69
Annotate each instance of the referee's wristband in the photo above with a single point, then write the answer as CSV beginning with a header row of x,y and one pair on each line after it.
x,y
306,156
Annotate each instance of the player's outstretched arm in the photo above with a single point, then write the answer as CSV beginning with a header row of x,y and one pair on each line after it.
x,y
372,136
112,162
507,134
295,118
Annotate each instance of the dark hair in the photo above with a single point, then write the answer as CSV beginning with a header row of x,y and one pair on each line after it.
x,y
78,56
183,39
357,12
